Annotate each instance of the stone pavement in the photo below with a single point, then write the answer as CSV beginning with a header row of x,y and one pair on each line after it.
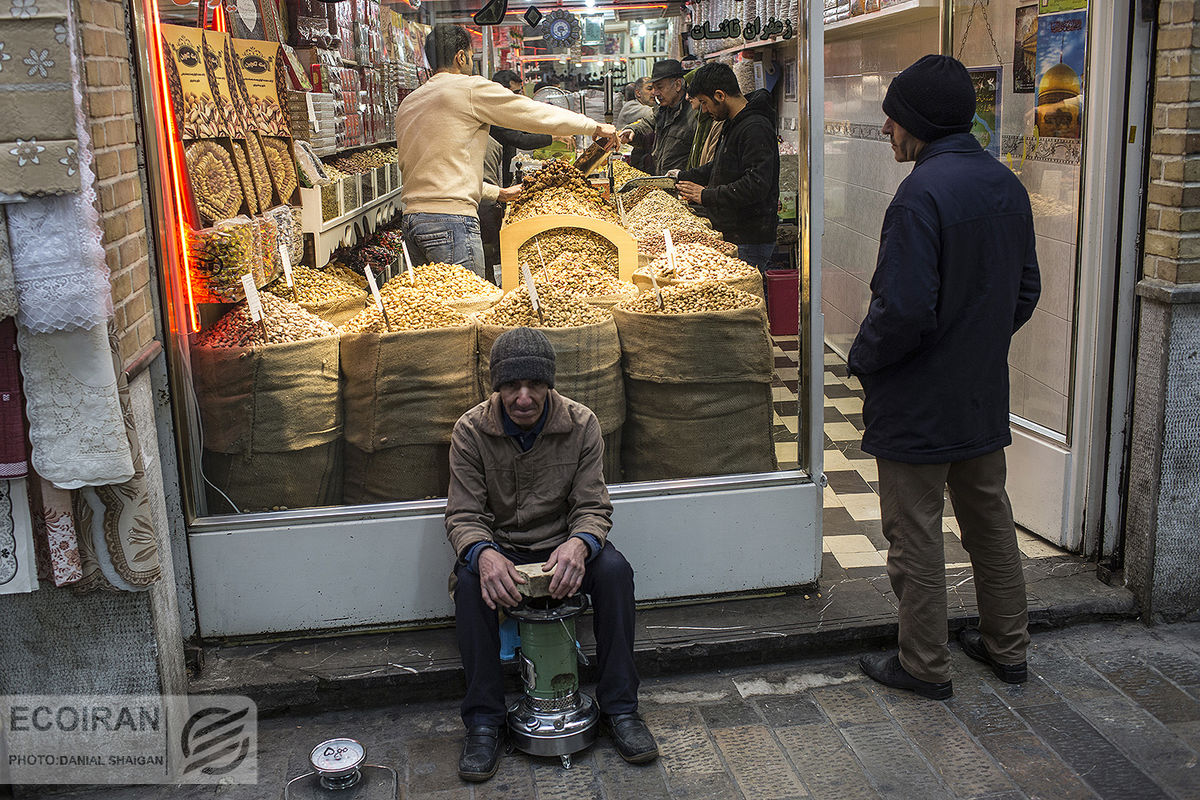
x,y
1112,710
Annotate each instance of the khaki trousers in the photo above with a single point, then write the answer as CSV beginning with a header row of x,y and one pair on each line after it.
x,y
911,499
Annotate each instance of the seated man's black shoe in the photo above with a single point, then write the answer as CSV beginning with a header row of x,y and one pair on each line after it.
x,y
632,738
972,644
481,753
887,669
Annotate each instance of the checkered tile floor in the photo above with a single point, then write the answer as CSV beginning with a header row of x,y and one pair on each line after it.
x,y
853,535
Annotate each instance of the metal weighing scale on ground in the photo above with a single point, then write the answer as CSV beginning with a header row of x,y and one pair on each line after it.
x,y
552,718
340,774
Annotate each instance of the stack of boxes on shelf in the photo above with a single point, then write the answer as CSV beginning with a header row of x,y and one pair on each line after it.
x,y
362,57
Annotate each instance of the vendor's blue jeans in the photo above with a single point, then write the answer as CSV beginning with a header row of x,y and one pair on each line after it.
x,y
757,254
444,238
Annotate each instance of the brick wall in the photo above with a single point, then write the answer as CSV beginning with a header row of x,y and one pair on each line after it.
x,y
108,95
1173,209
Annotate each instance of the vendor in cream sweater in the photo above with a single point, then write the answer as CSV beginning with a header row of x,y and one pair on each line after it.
x,y
441,135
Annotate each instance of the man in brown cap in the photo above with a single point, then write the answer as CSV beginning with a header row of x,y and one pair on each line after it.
x,y
674,124
527,487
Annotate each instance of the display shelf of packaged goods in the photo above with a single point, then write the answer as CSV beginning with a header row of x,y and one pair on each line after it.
x,y
889,17
345,211
749,46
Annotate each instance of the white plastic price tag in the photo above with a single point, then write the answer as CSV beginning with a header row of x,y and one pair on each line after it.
x,y
374,288
407,261
253,302
533,295
285,258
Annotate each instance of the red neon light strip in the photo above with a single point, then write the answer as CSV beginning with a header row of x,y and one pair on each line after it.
x,y
174,155
634,7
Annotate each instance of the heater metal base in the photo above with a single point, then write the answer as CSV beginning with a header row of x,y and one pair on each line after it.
x,y
553,733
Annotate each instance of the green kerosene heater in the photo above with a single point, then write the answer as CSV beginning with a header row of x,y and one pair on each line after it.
x,y
552,718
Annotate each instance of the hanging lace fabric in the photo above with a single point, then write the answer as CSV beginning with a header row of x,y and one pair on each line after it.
x,y
8,280
57,256
76,426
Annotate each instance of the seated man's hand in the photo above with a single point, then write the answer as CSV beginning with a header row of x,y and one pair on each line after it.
x,y
568,564
690,191
498,579
626,136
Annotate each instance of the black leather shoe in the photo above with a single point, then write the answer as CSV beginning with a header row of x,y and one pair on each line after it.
x,y
480,754
632,738
972,644
887,669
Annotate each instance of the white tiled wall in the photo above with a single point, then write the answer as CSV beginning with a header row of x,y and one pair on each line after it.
x,y
861,178
860,174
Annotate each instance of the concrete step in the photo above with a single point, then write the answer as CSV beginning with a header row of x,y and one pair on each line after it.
x,y
848,615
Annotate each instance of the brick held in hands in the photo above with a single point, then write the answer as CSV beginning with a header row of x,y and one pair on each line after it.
x,y
538,582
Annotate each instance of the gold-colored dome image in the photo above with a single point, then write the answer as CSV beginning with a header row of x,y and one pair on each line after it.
x,y
1058,84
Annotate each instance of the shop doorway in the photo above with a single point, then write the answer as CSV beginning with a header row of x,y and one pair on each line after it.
x,y
1068,440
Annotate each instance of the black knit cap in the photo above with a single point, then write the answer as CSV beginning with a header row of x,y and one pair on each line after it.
x,y
932,98
522,354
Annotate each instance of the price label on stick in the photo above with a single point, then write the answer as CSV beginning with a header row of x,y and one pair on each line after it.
x,y
407,261
253,302
533,295
375,295
285,258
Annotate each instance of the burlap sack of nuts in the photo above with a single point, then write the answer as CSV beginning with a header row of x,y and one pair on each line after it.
x,y
696,262
403,393
697,384
272,422
587,370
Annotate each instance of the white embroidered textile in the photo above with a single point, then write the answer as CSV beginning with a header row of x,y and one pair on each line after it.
x,y
58,258
18,567
75,421
8,281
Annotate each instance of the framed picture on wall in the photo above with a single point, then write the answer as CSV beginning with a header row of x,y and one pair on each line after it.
x,y
789,79
986,124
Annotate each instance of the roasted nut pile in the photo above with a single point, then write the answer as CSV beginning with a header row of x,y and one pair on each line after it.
x,y
345,274
699,262
560,200
314,288
560,309
364,160
284,321
584,246
661,210
407,310
652,242
567,272
691,298
447,282
558,188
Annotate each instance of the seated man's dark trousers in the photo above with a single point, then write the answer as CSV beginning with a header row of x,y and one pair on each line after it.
x,y
608,580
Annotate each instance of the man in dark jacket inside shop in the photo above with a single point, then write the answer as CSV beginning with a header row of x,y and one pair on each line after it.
x,y
503,145
527,487
956,276
739,188
674,125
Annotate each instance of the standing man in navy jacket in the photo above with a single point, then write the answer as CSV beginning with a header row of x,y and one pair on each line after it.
x,y
956,276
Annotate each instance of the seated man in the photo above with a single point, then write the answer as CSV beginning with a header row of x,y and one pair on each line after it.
x,y
527,486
